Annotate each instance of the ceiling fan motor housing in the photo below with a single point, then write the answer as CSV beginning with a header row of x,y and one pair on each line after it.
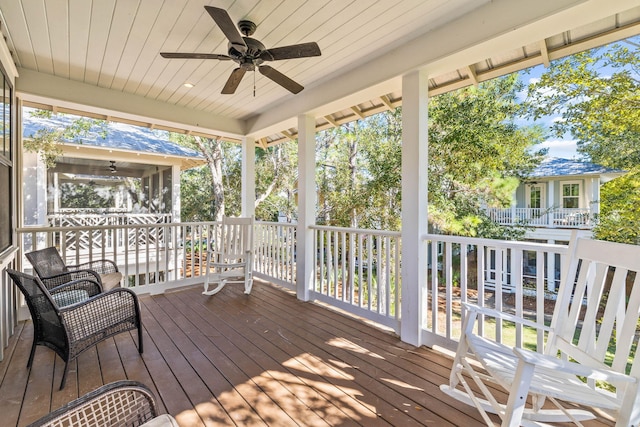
x,y
254,49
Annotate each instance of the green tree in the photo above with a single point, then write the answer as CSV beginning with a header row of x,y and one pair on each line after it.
x,y
204,202
620,210
83,196
477,153
596,94
215,190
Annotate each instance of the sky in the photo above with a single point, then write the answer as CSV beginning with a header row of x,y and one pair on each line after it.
x,y
557,147
565,147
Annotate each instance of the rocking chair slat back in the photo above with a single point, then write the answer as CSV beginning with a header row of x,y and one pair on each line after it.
x,y
591,355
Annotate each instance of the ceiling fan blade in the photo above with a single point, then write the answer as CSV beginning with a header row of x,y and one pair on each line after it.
x,y
186,55
222,18
280,78
234,80
303,50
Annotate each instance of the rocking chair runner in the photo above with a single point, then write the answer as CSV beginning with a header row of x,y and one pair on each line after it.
x,y
594,327
232,259
51,269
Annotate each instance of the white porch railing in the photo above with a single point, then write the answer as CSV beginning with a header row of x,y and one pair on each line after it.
x,y
152,257
359,272
491,273
355,270
275,252
553,218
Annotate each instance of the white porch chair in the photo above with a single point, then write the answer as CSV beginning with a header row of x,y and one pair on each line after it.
x,y
589,346
231,260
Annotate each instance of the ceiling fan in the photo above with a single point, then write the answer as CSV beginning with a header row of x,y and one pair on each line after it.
x,y
250,53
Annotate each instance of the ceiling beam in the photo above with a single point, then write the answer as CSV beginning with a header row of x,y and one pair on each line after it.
x,y
46,89
544,53
471,74
495,26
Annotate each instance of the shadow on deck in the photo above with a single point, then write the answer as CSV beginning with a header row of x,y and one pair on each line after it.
x,y
232,359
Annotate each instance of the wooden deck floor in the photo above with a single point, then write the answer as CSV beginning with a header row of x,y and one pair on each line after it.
x,y
231,359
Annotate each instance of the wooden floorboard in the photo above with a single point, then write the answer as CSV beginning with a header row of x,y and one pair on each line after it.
x,y
261,360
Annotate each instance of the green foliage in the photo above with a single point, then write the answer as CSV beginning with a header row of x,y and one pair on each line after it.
x,y
46,141
476,156
276,180
214,190
82,196
620,210
209,192
597,95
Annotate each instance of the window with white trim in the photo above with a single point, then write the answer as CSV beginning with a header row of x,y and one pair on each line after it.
x,y
570,195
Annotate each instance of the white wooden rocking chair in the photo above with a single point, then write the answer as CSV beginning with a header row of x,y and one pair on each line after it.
x,y
231,258
589,348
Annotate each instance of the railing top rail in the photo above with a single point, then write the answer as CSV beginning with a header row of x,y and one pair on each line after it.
x,y
39,228
103,214
357,230
507,244
280,224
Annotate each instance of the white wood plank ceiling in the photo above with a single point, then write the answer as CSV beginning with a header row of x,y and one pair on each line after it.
x,y
114,45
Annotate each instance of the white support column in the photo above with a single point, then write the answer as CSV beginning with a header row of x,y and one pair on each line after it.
x,y
175,193
414,206
551,269
594,203
550,203
248,176
306,205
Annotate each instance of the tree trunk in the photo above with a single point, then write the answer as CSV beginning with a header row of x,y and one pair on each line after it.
x,y
212,151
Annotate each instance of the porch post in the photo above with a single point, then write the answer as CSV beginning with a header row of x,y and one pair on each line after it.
x,y
306,205
551,207
248,176
175,193
414,206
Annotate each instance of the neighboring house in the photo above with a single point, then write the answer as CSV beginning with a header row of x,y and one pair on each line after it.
x,y
559,195
123,153
140,166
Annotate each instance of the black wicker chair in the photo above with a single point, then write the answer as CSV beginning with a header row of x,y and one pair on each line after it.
x,y
72,329
121,403
51,269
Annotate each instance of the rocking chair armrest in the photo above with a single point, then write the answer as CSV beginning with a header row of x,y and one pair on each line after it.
x,y
101,266
56,280
504,316
91,286
551,362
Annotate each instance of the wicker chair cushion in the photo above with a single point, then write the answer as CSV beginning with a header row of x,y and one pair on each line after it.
x,y
164,420
110,280
65,298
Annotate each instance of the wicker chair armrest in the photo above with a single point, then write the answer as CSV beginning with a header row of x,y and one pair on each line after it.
x,y
91,286
100,266
119,403
56,280
102,311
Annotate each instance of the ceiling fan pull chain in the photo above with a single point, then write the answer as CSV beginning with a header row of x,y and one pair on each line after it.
x,y
254,82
